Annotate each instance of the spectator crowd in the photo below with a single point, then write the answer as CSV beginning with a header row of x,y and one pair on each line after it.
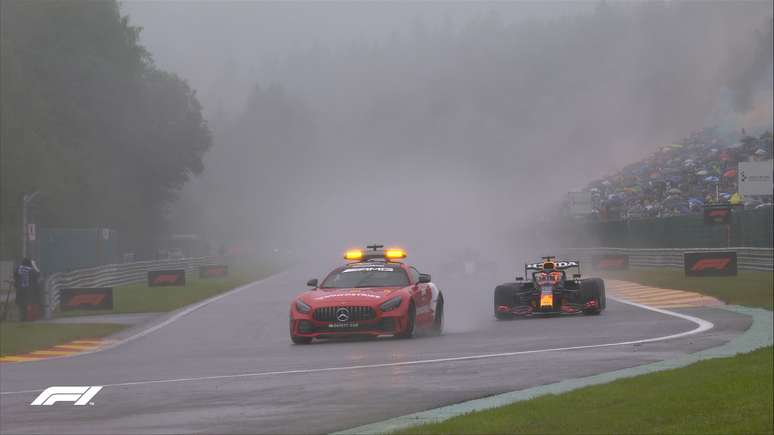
x,y
681,178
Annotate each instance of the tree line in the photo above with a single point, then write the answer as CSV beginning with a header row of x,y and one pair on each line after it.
x,y
88,120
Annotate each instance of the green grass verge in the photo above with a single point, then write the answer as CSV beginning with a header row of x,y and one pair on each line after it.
x,y
752,289
18,338
139,298
726,395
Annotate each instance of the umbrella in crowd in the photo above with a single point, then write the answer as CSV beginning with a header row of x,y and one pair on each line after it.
x,y
674,179
680,178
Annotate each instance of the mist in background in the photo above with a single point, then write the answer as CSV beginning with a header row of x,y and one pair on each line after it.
x,y
442,127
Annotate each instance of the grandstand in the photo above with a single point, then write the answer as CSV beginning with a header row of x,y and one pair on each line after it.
x,y
680,179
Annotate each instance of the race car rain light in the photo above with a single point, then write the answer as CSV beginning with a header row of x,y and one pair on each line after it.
x,y
353,254
394,253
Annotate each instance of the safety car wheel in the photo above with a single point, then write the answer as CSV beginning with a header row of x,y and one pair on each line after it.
x,y
412,317
300,340
437,328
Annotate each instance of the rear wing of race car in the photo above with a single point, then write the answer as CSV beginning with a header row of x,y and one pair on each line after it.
x,y
550,264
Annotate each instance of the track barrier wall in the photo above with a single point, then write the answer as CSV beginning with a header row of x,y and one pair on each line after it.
x,y
114,275
747,258
751,228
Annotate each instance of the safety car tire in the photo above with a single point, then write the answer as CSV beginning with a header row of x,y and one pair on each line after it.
x,y
411,317
437,328
296,339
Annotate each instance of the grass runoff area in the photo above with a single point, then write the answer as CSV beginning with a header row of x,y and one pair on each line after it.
x,y
725,395
751,289
17,338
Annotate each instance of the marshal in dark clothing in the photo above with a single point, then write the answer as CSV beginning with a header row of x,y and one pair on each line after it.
x,y
25,279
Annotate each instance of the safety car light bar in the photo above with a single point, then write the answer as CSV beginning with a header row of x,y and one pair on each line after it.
x,y
394,253
353,254
375,252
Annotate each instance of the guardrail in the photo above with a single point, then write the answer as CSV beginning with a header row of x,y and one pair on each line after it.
x,y
760,259
112,275
6,274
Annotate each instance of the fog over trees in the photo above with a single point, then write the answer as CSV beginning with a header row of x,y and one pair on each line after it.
x,y
332,124
90,122
459,133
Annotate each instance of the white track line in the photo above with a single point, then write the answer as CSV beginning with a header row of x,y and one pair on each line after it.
x,y
702,325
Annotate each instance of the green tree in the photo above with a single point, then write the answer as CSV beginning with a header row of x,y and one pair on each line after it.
x,y
88,119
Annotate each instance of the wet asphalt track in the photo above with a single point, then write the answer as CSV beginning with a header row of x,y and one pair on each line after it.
x,y
241,341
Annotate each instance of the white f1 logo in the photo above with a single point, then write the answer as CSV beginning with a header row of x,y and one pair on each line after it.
x,y
80,395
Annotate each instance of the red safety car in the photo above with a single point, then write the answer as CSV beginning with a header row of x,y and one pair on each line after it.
x,y
374,294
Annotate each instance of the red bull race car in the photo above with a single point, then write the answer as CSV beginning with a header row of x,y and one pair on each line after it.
x,y
549,291
373,294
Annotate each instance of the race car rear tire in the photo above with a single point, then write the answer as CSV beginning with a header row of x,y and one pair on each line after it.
x,y
503,316
411,317
300,340
594,288
503,296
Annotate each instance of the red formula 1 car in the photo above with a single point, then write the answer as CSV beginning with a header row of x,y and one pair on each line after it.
x,y
549,291
375,294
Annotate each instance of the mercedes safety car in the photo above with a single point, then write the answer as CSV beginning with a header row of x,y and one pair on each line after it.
x,y
548,290
374,294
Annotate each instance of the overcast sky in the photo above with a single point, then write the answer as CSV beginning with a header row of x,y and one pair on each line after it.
x,y
196,38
